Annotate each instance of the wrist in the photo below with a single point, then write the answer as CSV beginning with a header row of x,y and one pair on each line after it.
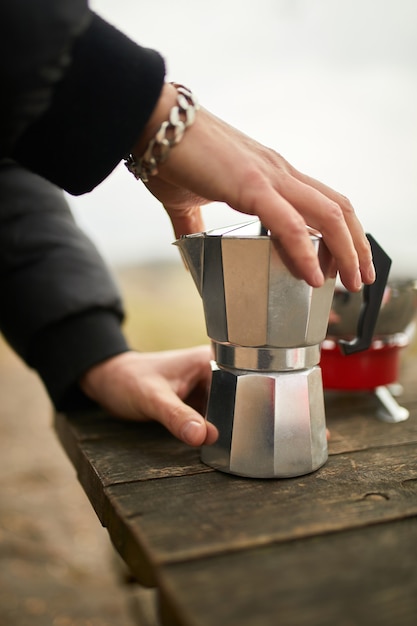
x,y
160,113
144,162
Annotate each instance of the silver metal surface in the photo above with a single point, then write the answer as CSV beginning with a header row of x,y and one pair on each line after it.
x,y
398,310
266,396
270,425
265,359
390,410
250,298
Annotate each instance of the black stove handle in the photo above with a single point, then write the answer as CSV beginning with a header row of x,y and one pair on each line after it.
x,y
371,304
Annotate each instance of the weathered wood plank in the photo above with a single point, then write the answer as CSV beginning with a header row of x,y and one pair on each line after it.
x,y
106,451
351,419
97,424
185,518
353,425
116,451
364,577
134,475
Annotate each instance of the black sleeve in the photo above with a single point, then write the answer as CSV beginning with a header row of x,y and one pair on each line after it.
x,y
60,308
96,111
35,52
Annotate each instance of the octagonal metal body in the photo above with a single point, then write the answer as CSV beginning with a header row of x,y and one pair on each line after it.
x,y
271,425
250,298
266,397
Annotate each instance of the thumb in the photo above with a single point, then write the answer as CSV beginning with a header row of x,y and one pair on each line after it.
x,y
181,420
187,222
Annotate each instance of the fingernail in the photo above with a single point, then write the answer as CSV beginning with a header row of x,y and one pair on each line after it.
x,y
192,432
357,282
318,278
370,274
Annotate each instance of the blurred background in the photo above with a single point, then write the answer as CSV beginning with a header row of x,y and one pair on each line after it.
x,y
329,84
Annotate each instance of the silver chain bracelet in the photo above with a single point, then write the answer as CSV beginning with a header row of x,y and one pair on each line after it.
x,y
181,116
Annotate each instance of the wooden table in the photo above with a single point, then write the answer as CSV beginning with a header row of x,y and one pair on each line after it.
x,y
337,547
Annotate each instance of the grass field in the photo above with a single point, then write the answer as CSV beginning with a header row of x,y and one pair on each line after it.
x,y
164,309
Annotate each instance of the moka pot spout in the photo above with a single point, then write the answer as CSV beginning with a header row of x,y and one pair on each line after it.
x,y
192,252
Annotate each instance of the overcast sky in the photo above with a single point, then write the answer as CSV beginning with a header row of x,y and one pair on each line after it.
x,y
331,84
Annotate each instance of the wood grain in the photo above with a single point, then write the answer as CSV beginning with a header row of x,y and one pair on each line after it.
x,y
363,577
317,549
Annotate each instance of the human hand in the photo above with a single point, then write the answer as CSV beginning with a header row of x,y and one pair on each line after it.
x,y
215,162
157,386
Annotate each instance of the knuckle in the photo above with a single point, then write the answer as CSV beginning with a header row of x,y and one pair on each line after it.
x,y
295,230
298,228
347,208
248,197
334,212
254,177
297,239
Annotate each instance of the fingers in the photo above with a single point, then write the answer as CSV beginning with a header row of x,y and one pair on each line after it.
x,y
152,386
185,376
360,242
327,217
182,206
186,222
288,226
182,421
293,204
218,163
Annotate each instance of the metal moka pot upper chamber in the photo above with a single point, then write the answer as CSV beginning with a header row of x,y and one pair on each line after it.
x,y
249,296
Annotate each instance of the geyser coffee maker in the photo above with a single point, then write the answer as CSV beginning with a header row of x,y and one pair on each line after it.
x,y
266,327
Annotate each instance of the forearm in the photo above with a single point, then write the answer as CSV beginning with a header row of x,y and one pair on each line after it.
x,y
61,310
62,353
98,110
35,48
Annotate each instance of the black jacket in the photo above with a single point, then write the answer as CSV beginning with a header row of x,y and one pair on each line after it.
x,y
77,95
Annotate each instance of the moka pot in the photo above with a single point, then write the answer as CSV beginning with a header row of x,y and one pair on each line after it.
x,y
266,328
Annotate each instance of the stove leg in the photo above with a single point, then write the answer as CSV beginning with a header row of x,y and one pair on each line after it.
x,y
395,389
390,411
